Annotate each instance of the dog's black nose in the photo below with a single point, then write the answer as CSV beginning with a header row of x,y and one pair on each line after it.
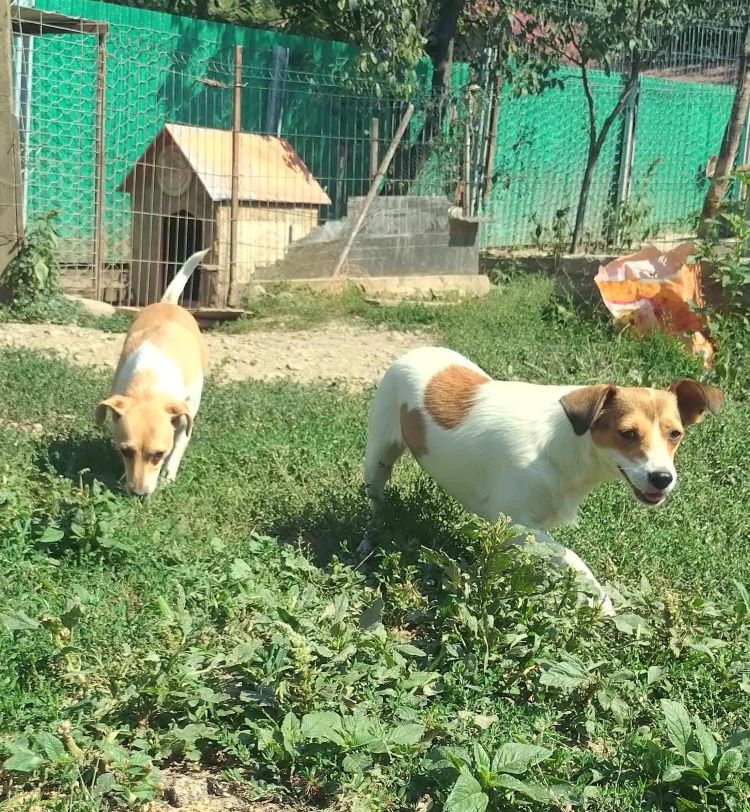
x,y
660,479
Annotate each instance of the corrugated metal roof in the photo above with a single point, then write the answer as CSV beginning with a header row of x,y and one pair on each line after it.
x,y
270,170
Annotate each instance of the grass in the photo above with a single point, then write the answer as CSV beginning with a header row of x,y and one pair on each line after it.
x,y
58,310
282,307
225,620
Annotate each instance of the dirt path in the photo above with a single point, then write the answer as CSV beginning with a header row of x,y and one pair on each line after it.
x,y
353,355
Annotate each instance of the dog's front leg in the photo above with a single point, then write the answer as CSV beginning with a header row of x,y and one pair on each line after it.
x,y
172,463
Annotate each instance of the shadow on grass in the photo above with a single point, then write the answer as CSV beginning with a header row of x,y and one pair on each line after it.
x,y
82,458
415,516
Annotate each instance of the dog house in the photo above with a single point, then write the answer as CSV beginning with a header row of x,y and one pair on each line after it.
x,y
181,200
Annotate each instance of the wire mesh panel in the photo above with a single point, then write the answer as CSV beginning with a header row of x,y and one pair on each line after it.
x,y
155,140
59,137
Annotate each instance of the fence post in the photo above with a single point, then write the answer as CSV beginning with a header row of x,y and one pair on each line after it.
x,y
11,227
99,150
236,131
467,156
382,169
627,154
745,155
492,146
374,146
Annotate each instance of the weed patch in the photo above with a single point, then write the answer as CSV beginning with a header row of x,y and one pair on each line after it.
x,y
226,623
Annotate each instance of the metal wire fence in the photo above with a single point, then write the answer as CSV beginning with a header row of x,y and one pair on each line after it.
x,y
150,145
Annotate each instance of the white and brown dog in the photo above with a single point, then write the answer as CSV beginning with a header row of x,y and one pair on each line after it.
x,y
157,387
522,450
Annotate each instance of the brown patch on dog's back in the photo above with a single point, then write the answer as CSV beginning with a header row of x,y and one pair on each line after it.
x,y
451,393
637,409
413,430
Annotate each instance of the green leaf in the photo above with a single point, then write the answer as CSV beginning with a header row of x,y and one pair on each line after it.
x,y
323,725
291,732
406,734
73,614
517,758
566,675
483,721
467,795
373,615
706,741
631,624
356,762
482,762
655,674
52,746
533,791
744,596
411,651
240,570
730,762
673,772
678,724
740,739
696,759
104,784
444,758
23,761
41,271
51,535
17,621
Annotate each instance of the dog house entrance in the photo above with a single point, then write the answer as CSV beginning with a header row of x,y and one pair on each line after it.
x,y
182,236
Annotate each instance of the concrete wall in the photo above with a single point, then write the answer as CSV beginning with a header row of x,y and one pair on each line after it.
x,y
401,236
264,232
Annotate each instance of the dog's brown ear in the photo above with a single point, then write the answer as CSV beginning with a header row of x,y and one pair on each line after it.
x,y
694,399
179,413
117,403
584,405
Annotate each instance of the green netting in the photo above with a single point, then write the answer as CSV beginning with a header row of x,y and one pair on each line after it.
x,y
679,127
162,68
542,144
157,67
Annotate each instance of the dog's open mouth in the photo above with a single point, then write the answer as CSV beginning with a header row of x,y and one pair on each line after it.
x,y
647,497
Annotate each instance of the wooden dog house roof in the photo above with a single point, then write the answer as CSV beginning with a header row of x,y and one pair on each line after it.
x,y
270,169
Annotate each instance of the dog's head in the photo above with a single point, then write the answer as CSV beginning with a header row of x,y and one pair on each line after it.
x,y
638,430
144,431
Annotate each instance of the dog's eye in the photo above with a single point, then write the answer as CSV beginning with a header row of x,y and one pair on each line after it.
x,y
675,435
128,453
629,434
157,457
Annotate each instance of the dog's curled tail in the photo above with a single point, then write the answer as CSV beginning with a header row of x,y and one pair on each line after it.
x,y
182,277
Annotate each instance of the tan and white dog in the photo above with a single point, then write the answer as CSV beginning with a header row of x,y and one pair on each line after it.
x,y
522,450
157,387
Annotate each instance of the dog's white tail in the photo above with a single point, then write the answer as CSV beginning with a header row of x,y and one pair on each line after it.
x,y
182,277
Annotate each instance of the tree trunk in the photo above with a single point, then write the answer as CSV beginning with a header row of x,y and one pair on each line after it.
x,y
730,144
583,196
441,34
439,48
596,142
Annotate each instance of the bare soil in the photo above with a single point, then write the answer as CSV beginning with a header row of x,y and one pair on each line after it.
x,y
352,355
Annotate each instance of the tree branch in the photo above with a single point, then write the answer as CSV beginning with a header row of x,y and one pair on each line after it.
x,y
622,101
590,102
